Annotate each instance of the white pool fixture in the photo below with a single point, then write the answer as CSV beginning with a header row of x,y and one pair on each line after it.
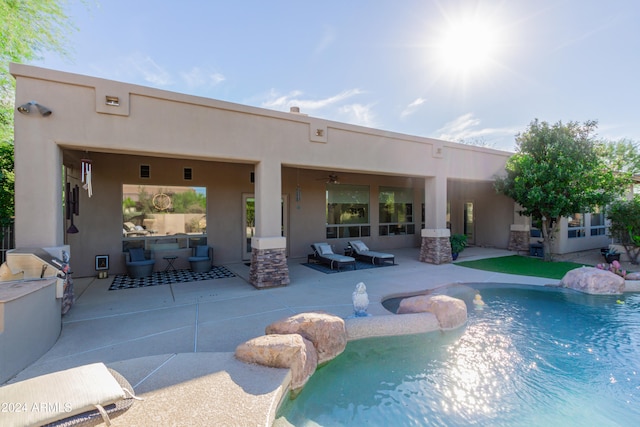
x,y
360,300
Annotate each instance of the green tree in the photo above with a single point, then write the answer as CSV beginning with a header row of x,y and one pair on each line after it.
x,y
556,172
625,225
28,28
622,155
6,182
189,202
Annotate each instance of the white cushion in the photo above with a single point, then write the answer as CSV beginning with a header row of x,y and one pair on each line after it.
x,y
359,246
323,248
59,395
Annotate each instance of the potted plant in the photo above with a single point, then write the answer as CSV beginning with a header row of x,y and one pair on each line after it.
x,y
458,243
610,255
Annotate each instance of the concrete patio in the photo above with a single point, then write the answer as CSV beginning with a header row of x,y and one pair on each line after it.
x,y
175,343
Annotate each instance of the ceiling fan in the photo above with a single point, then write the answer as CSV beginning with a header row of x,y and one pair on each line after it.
x,y
332,178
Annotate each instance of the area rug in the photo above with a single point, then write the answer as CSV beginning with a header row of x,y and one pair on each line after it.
x,y
360,265
165,277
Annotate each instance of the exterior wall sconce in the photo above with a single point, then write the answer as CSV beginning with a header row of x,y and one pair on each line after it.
x,y
26,108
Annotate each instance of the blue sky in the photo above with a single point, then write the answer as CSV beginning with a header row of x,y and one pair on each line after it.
x,y
478,71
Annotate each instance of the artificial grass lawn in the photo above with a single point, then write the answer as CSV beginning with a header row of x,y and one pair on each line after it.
x,y
524,266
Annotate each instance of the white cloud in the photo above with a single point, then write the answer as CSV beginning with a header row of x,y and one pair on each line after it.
x,y
467,128
197,78
135,68
294,98
412,108
358,114
459,128
149,70
335,107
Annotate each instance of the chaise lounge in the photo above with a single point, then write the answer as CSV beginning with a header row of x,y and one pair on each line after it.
x,y
86,395
361,251
323,253
129,229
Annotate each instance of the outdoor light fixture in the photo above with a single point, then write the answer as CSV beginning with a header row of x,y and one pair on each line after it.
x,y
26,108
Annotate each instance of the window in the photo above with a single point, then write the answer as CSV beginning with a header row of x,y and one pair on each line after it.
x,y
598,227
162,215
576,226
396,211
347,211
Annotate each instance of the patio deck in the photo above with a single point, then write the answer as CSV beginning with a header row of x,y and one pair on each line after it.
x,y
175,343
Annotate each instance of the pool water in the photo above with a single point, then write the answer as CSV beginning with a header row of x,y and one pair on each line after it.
x,y
531,357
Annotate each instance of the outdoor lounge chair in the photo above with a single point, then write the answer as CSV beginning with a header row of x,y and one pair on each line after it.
x,y
361,251
130,229
202,259
323,253
138,265
86,395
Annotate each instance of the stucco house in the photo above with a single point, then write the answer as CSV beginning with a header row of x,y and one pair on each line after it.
x,y
267,183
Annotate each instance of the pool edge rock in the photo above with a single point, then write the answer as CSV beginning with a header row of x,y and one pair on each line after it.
x,y
594,281
282,351
450,312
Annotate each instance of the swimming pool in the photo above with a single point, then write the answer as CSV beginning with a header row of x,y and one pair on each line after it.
x,y
532,357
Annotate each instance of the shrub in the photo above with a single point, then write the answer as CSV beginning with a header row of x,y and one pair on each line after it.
x,y
625,226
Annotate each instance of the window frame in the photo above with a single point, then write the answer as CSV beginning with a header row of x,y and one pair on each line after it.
x,y
402,210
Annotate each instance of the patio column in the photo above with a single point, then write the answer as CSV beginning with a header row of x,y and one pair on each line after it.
x,y
38,189
268,247
435,247
520,231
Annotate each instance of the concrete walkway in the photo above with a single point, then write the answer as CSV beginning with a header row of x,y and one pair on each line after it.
x,y
175,343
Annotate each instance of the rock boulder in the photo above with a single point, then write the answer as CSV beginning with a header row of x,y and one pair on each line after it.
x,y
593,281
282,351
326,331
450,312
633,276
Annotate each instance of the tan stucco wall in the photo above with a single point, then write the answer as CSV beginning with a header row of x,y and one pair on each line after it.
x,y
223,143
493,213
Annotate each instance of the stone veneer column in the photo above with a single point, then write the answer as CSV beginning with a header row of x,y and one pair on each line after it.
x,y
269,266
436,247
519,238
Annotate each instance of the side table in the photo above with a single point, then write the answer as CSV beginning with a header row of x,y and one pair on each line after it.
x,y
170,259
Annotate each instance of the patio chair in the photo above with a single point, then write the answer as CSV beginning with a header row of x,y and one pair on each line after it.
x,y
138,264
202,259
130,229
85,395
361,251
323,253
